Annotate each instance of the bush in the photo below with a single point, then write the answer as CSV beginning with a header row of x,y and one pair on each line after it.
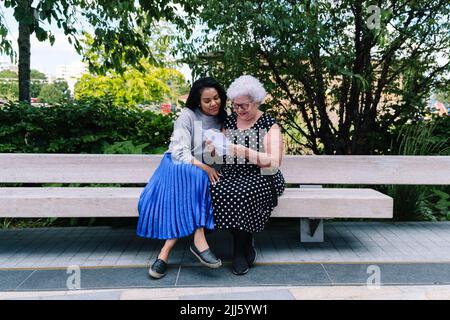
x,y
421,202
90,126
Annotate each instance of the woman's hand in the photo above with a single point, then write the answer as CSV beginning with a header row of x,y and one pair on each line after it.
x,y
212,174
210,148
237,149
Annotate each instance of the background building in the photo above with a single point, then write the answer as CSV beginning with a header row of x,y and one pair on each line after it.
x,y
70,73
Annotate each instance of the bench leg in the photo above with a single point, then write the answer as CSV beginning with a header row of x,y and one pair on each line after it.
x,y
311,230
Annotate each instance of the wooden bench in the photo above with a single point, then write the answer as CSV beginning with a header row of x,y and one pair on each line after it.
x,y
310,202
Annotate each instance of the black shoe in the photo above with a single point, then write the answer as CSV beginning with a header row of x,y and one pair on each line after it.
x,y
158,269
206,257
250,252
240,265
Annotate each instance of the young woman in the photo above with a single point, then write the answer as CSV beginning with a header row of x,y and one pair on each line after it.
x,y
177,201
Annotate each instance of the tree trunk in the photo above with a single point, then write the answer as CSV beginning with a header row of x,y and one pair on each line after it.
x,y
24,54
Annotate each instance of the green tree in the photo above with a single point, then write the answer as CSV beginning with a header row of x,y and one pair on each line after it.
x,y
370,65
38,80
50,94
443,96
133,86
35,89
9,89
8,74
121,26
63,87
36,74
56,92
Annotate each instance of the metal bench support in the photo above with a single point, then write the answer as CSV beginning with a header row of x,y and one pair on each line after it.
x,y
311,230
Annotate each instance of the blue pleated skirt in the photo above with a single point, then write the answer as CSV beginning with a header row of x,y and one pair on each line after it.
x,y
175,202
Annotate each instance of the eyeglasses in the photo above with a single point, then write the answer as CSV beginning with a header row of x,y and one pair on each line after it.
x,y
243,106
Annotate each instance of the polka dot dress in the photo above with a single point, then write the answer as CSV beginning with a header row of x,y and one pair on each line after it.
x,y
245,195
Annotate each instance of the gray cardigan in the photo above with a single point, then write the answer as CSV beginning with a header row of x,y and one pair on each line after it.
x,y
187,139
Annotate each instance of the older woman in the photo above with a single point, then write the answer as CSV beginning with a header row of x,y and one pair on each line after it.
x,y
250,181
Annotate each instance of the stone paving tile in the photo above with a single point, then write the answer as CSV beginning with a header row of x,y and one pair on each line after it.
x,y
389,273
280,294
131,251
108,295
282,274
180,254
282,247
11,280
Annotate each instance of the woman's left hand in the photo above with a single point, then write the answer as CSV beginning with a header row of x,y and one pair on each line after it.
x,y
236,149
210,148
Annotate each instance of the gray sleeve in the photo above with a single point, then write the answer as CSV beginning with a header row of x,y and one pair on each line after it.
x,y
180,142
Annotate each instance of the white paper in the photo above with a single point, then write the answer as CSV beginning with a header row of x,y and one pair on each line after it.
x,y
219,141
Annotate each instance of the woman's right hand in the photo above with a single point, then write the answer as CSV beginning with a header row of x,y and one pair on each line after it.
x,y
212,174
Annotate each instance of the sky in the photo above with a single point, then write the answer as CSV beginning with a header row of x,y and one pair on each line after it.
x,y
45,57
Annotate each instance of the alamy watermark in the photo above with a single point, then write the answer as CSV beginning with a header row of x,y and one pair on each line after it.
x,y
254,138
74,280
374,280
373,21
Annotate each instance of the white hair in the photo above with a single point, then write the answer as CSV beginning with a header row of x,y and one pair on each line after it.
x,y
247,86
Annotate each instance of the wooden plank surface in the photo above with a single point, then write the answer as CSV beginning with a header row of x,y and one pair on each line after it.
x,y
122,202
367,169
77,168
308,169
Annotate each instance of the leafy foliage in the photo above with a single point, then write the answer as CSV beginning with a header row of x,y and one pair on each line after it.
x,y
9,89
90,126
134,86
121,27
420,139
435,205
56,92
419,201
8,74
36,74
332,77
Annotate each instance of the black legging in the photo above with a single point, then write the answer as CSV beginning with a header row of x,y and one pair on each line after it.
x,y
242,241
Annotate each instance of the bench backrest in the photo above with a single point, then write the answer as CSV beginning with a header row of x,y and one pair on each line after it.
x,y
306,169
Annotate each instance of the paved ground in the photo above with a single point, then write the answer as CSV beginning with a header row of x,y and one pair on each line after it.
x,y
409,260
244,293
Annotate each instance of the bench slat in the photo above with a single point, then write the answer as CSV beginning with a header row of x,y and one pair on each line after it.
x,y
77,168
308,169
122,202
355,169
